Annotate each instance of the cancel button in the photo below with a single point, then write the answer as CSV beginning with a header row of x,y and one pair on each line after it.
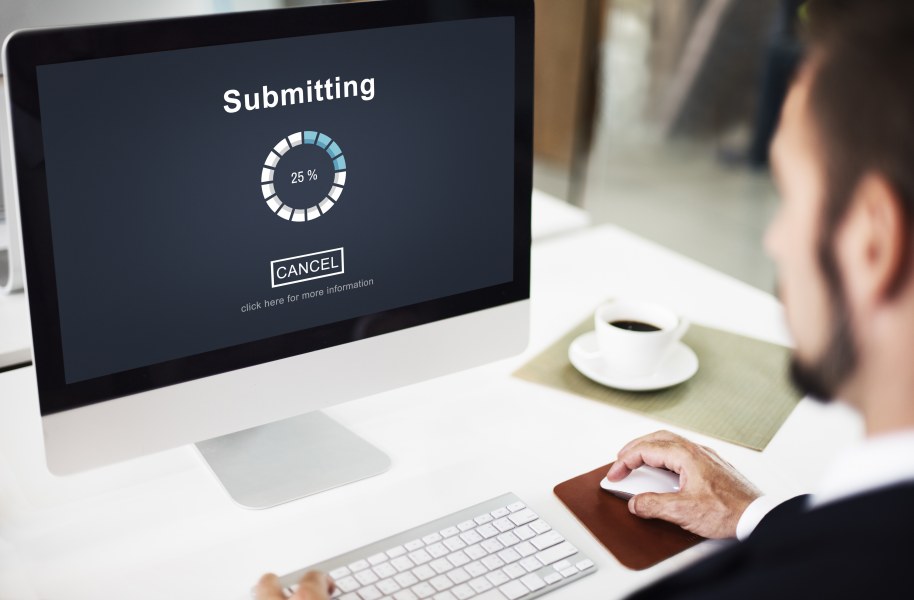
x,y
297,269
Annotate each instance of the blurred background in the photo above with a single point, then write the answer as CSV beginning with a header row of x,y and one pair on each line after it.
x,y
654,115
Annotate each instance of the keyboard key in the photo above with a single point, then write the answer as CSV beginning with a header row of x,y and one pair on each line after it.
x,y
531,564
470,537
533,582
466,525
359,565
492,545
406,580
413,545
547,540
423,590
514,571
459,575
556,553
523,516
377,559
584,564
424,572
384,571
487,531
516,506
441,565
476,551
540,526
454,543
370,593
431,538
509,555
492,562
349,596
347,584
524,533
437,550
459,558
396,551
561,565
483,519
405,595
476,569
441,583
446,595
500,512
420,557
463,592
402,563
450,531
366,577
480,584
503,525
388,586
525,549
497,578
514,590
552,578
340,573
508,539
569,571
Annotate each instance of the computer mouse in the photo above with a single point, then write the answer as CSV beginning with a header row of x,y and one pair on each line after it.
x,y
641,480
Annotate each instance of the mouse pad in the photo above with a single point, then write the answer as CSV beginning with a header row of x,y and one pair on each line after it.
x,y
637,543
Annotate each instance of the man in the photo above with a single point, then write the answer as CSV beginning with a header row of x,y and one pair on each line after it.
x,y
843,242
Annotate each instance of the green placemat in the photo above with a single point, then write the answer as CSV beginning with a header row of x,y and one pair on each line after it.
x,y
741,393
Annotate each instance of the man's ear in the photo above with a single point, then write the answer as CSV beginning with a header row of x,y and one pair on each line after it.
x,y
873,243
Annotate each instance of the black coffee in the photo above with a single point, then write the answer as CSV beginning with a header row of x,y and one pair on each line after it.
x,y
634,326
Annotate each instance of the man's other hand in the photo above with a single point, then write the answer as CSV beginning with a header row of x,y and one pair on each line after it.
x,y
313,586
712,494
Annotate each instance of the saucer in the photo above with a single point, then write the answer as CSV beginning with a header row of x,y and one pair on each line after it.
x,y
679,366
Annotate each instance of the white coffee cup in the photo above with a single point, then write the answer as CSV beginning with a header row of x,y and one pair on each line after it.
x,y
636,353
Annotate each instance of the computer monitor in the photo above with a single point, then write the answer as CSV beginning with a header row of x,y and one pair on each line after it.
x,y
230,222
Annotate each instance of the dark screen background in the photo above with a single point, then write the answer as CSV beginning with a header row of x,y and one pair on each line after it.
x,y
160,230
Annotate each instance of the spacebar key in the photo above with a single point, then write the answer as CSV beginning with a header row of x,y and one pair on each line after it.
x,y
556,553
492,594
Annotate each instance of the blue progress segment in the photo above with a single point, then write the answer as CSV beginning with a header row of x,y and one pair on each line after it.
x,y
340,163
310,137
333,150
323,140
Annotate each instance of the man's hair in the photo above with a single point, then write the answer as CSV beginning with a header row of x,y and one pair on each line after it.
x,y
862,98
861,102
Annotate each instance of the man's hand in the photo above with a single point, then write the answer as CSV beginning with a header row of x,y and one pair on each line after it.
x,y
313,586
712,494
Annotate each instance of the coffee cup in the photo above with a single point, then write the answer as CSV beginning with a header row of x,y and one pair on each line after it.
x,y
635,337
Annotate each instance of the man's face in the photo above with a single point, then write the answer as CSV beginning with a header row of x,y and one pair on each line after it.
x,y
814,309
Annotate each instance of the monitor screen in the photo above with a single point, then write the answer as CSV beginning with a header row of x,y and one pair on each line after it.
x,y
218,206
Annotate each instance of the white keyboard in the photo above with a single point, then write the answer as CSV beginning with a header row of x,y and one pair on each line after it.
x,y
496,550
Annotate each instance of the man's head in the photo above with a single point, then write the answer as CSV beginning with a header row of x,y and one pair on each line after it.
x,y
844,162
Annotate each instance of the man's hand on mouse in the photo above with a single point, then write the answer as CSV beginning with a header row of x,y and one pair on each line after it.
x,y
712,496
313,586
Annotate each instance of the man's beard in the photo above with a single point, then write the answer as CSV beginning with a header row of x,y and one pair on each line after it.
x,y
822,379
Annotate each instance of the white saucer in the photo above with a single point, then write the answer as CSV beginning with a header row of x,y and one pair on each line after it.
x,y
679,366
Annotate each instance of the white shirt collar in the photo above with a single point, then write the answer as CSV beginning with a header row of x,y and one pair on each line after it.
x,y
874,463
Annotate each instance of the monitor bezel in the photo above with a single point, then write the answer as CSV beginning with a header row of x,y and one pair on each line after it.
x,y
25,51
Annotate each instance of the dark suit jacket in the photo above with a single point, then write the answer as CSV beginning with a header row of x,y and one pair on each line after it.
x,y
861,547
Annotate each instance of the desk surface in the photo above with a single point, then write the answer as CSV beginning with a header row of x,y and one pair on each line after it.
x,y
160,527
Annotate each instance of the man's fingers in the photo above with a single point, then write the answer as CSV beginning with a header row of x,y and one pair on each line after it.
x,y
672,456
314,586
657,436
655,506
268,588
622,469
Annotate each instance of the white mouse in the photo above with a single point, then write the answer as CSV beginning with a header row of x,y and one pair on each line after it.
x,y
641,480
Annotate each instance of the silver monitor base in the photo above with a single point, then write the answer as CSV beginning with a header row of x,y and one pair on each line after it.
x,y
276,463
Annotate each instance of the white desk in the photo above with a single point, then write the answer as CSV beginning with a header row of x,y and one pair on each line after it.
x,y
159,527
551,217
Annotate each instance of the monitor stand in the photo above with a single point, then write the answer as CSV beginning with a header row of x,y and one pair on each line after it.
x,y
276,463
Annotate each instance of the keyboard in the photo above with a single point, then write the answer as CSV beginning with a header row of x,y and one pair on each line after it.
x,y
496,550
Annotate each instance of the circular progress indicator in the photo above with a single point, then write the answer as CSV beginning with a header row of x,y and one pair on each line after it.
x,y
297,190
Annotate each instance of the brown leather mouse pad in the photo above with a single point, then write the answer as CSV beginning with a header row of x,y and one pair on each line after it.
x,y
637,543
